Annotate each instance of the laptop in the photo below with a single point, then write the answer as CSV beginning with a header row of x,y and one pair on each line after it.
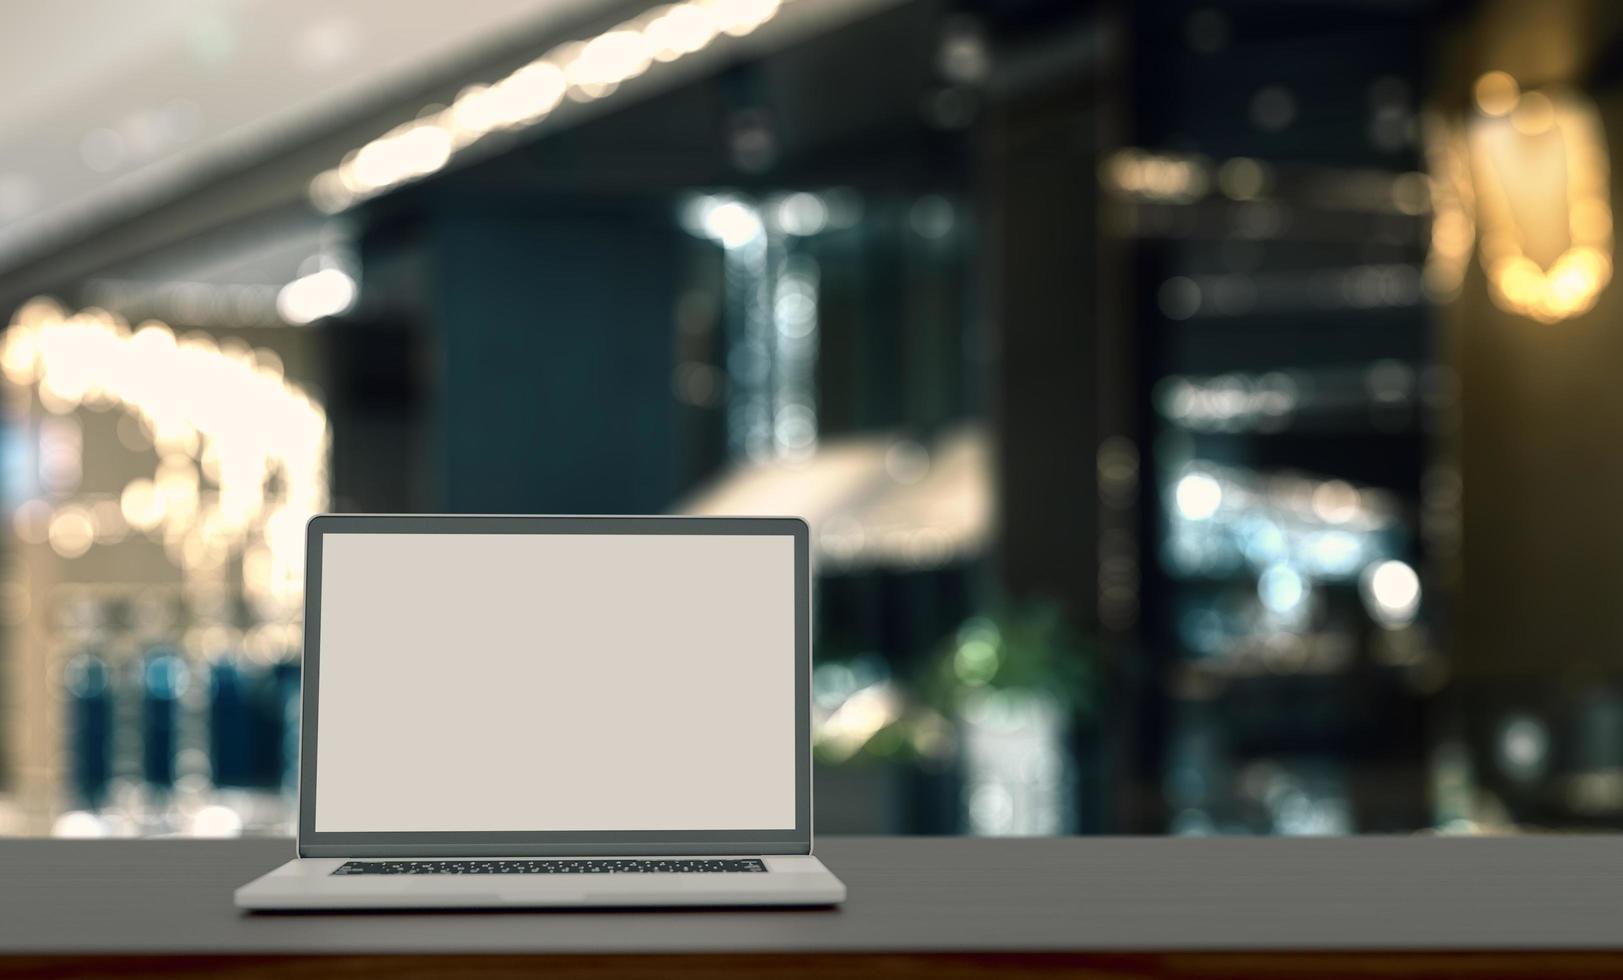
x,y
553,712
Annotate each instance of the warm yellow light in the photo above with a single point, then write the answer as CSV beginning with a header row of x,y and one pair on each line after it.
x,y
1453,203
72,532
1519,279
1497,93
18,357
1451,233
407,151
109,520
264,440
607,60
739,17
1550,151
527,94
1574,279
586,69
1591,219
324,293
1534,114
31,521
1162,178
677,30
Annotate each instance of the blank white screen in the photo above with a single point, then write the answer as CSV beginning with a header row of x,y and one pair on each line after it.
x,y
536,682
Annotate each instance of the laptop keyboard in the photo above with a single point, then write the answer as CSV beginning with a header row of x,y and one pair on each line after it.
x,y
553,866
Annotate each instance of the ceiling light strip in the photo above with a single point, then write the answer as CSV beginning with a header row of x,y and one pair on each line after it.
x,y
582,71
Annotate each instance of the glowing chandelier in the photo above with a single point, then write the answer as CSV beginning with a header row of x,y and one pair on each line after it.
x,y
1527,177
216,411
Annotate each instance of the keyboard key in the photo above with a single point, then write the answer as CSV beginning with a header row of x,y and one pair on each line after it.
x,y
543,866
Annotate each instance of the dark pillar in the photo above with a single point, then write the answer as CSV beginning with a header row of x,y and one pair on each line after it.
x,y
556,337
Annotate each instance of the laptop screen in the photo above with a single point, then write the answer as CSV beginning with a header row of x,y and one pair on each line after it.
x,y
556,682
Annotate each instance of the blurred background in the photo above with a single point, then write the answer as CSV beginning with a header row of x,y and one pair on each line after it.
x,y
1205,411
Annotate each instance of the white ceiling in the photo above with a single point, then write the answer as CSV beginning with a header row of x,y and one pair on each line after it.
x,y
108,100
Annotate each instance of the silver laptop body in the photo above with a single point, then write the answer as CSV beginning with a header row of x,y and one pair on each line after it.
x,y
553,711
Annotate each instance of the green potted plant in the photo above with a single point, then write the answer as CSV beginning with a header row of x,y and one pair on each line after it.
x,y
1015,683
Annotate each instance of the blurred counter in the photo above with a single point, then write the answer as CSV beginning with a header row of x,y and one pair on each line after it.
x,y
997,906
